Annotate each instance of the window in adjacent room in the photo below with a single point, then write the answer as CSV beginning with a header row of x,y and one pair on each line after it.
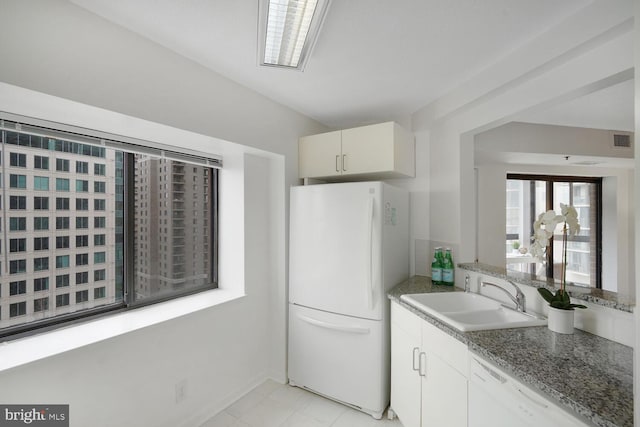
x,y
528,196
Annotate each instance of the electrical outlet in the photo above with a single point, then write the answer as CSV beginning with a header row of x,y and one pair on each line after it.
x,y
181,391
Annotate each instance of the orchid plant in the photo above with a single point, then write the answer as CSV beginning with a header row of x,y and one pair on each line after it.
x,y
543,229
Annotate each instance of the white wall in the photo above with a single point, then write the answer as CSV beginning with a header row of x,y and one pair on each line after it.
x,y
610,227
419,199
55,48
636,204
420,207
491,213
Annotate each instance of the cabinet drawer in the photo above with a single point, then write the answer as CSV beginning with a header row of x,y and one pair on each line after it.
x,y
406,320
446,347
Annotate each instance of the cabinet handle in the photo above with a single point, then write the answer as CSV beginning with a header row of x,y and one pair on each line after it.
x,y
414,367
344,162
337,160
420,365
536,401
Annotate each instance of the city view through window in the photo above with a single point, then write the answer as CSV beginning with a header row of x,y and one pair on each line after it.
x,y
172,226
63,229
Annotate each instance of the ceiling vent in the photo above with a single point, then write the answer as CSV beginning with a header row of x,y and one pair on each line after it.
x,y
622,141
587,163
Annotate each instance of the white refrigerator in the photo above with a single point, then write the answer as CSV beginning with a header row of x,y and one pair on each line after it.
x,y
349,244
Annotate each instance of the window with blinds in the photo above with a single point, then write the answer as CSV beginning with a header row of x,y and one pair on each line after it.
x,y
93,223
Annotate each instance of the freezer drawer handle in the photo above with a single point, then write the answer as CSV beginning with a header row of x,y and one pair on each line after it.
x,y
327,325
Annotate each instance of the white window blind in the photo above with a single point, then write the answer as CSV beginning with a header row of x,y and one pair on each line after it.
x,y
59,131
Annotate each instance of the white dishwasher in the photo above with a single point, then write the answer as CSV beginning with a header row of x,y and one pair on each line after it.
x,y
498,400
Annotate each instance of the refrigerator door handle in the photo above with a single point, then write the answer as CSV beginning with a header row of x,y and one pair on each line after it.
x,y
369,253
422,356
333,326
416,350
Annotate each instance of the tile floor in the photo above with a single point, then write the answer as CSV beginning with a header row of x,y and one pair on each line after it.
x,y
276,405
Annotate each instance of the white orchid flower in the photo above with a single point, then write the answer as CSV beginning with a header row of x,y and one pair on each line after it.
x,y
568,210
571,218
537,250
547,216
542,236
574,227
546,224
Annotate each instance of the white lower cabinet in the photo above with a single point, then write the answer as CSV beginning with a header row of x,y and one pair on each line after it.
x,y
428,373
406,382
444,394
437,382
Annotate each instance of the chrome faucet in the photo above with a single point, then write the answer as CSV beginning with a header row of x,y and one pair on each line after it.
x,y
467,286
518,300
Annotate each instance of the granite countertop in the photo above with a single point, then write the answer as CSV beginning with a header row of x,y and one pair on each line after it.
x,y
599,371
592,295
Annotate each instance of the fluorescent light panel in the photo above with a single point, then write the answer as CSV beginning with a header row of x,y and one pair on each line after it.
x,y
288,29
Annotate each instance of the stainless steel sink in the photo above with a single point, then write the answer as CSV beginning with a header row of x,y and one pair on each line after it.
x,y
467,311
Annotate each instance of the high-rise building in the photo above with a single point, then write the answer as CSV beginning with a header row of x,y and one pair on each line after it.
x,y
172,214
60,239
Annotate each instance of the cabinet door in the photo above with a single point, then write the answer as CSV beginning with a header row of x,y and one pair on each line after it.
x,y
368,149
320,155
405,354
447,348
444,395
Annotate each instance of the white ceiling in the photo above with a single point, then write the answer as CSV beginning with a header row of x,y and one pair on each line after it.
x,y
610,108
374,59
546,159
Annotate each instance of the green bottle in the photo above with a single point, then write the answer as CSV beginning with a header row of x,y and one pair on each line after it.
x,y
436,267
448,269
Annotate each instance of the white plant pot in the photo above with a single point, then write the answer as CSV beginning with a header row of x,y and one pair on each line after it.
x,y
560,321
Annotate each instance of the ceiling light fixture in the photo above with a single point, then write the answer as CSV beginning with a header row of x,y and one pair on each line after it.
x,y
287,31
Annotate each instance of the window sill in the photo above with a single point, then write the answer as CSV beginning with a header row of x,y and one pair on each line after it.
x,y
37,347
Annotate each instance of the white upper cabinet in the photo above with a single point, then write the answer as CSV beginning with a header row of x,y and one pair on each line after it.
x,y
320,155
379,151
